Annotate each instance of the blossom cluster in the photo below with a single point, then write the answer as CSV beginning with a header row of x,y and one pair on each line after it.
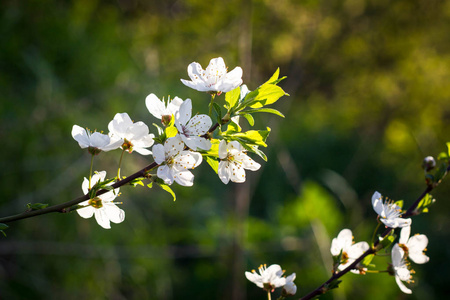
x,y
345,251
185,140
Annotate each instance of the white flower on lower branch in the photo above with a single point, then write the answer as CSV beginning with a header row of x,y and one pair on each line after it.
x,y
268,278
400,268
175,162
233,162
289,289
102,207
414,246
343,245
95,142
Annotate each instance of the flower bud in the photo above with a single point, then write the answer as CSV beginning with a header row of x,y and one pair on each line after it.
x,y
428,163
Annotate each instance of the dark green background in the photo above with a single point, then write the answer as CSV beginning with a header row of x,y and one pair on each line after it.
x,y
369,86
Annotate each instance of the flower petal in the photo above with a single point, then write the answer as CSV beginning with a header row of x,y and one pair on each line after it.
x,y
223,149
402,287
155,106
377,203
183,177
81,136
158,153
185,112
102,218
165,174
224,171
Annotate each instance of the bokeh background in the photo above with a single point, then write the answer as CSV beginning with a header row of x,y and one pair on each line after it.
x,y
369,99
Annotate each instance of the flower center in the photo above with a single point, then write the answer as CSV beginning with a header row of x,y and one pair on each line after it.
x,y
127,145
96,202
345,257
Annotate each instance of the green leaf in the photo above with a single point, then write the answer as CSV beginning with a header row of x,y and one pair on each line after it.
x,y
426,202
160,130
167,189
388,240
367,260
232,127
217,112
137,181
249,118
332,285
448,149
213,162
214,150
150,185
267,94
267,110
170,131
254,149
232,97
251,137
35,206
3,227
399,203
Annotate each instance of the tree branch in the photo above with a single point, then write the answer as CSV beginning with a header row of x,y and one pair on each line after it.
x,y
62,208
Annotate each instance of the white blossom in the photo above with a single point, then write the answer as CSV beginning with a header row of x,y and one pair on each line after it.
x,y
389,212
350,251
400,268
174,161
414,246
233,162
289,289
95,141
215,78
133,136
191,130
268,278
160,109
102,206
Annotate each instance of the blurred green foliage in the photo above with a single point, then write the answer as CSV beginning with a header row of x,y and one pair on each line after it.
x,y
369,100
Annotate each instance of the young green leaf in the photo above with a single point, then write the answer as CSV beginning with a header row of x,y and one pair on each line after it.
x,y
213,162
266,110
232,97
167,189
249,118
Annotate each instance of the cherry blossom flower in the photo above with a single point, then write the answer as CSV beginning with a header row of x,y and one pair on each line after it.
x,y
102,206
289,289
414,246
400,268
174,161
268,278
215,78
134,136
191,130
233,162
389,212
95,142
161,110
350,252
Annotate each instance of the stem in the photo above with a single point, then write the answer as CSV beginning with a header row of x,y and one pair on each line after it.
x,y
211,103
90,171
322,289
120,163
269,296
375,232
65,207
